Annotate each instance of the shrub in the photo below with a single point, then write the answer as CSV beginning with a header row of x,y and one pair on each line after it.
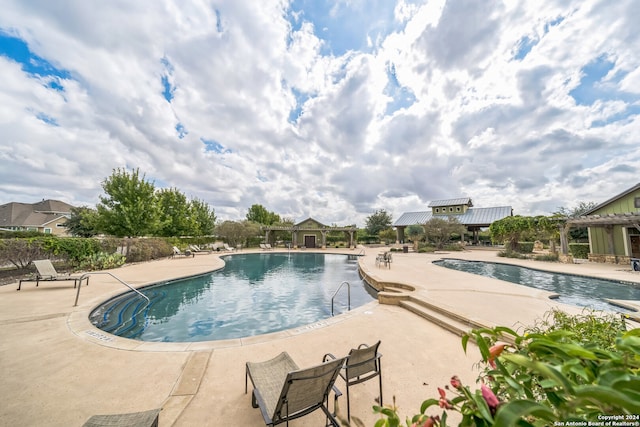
x,y
147,249
564,369
511,254
579,250
525,247
102,261
546,257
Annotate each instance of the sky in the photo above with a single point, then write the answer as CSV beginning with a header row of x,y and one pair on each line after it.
x,y
324,109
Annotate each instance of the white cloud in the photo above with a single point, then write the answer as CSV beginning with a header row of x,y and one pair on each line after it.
x,y
494,115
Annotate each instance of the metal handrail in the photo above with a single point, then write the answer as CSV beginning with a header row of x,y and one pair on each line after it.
x,y
115,277
348,295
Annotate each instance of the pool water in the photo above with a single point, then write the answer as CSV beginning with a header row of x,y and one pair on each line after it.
x,y
254,294
574,290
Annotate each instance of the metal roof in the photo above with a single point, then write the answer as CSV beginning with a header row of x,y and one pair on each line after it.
x,y
411,218
480,217
450,202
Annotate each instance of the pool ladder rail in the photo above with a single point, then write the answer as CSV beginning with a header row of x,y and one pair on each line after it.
x,y
348,295
115,277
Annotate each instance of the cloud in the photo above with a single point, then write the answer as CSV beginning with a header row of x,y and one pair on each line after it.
x,y
394,105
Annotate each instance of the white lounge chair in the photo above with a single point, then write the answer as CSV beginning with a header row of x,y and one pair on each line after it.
x,y
46,272
177,251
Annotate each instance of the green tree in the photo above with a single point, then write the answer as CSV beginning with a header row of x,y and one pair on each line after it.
x,y
173,213
203,218
547,228
260,215
83,222
235,232
128,208
378,221
388,235
439,230
415,233
509,230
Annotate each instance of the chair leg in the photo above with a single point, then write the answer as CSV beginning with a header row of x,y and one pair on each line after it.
x,y
348,405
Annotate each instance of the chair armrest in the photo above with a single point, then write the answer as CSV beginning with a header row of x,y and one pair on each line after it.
x,y
328,357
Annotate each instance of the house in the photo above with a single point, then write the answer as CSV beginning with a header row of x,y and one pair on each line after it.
x,y
311,233
614,228
474,219
47,216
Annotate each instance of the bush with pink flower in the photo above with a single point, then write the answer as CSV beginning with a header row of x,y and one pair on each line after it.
x,y
566,368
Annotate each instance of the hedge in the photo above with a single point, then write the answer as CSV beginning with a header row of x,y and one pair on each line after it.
x,y
579,250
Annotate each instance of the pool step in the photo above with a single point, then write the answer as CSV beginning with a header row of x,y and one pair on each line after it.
x,y
119,314
443,318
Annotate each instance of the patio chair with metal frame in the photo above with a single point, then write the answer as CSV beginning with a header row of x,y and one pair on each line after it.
x,y
284,392
363,364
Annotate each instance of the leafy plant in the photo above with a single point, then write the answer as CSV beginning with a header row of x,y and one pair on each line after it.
x,y
102,261
565,368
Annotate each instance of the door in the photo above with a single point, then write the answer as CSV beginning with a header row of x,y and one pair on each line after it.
x,y
310,241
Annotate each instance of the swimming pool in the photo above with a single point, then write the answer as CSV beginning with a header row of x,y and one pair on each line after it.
x,y
253,294
575,290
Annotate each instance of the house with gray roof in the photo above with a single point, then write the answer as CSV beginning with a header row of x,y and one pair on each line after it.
x,y
474,219
47,216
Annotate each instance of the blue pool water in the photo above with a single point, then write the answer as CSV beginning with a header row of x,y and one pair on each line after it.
x,y
574,290
254,294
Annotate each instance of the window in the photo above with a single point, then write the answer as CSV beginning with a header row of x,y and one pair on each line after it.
x,y
47,231
437,210
451,209
458,209
636,202
60,225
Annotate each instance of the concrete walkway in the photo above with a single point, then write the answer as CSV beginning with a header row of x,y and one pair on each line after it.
x,y
56,369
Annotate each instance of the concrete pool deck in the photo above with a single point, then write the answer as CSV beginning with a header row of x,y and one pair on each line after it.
x,y
58,370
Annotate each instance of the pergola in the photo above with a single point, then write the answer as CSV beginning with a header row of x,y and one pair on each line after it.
x,y
323,230
607,222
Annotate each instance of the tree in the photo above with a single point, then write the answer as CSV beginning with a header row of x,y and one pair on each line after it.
x,y
378,221
83,222
203,218
388,235
547,227
235,232
173,213
415,233
509,230
439,230
129,207
260,215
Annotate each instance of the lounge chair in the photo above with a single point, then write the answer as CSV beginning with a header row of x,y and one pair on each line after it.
x,y
268,246
46,272
263,246
228,248
363,364
284,392
136,419
197,250
177,251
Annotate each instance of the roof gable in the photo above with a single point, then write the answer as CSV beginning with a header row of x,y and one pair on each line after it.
x,y
613,199
310,223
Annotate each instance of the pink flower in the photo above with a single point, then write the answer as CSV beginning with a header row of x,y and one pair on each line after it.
x,y
489,397
455,382
443,402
